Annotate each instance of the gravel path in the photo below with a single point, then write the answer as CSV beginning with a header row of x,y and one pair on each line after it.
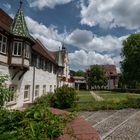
x,y
115,125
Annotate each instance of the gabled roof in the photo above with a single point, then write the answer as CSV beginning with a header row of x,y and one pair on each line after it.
x,y
5,20
41,49
18,26
110,69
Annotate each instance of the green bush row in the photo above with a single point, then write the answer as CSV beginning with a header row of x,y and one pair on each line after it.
x,y
137,91
63,98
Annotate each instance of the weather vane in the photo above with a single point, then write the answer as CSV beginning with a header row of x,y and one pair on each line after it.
x,y
21,2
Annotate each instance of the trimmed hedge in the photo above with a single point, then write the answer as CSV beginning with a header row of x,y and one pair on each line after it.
x,y
137,91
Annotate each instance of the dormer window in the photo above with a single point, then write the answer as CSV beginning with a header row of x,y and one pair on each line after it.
x,y
3,44
17,48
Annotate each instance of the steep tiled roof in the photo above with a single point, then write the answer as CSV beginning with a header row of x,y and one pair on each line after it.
x,y
41,49
5,20
18,26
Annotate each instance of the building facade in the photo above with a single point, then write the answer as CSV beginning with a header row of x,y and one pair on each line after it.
x,y
111,74
32,69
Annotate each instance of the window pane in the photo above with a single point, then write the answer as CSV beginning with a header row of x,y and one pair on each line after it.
x,y
26,91
4,48
0,37
12,95
4,39
19,49
0,47
15,48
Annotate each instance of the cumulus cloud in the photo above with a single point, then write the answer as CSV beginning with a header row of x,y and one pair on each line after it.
x,y
114,13
88,41
91,49
48,36
7,6
47,3
94,49
82,60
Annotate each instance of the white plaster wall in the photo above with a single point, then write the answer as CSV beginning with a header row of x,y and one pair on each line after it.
x,y
26,62
3,58
41,78
16,60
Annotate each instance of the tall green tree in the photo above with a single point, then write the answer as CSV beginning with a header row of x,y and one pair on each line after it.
x,y
97,77
131,60
4,90
80,73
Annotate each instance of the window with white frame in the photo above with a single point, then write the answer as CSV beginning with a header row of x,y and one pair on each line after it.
x,y
44,89
17,48
3,44
27,51
36,90
54,86
50,88
26,92
13,92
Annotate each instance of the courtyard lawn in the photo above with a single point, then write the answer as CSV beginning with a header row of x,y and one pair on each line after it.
x,y
85,97
112,100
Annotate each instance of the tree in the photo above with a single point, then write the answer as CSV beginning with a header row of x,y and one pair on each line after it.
x,y
4,90
131,60
97,77
79,73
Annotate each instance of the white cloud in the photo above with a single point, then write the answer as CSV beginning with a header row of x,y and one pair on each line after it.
x,y
87,41
106,13
91,48
82,60
47,3
49,36
94,49
7,6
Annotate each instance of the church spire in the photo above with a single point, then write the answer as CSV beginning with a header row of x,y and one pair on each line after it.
x,y
19,27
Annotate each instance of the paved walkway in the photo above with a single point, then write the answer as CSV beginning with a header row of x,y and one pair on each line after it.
x,y
96,97
115,125
78,129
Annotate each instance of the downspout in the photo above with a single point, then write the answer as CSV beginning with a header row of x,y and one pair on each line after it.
x,y
33,84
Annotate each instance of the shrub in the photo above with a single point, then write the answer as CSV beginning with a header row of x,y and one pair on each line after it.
x,y
4,90
35,123
64,97
44,100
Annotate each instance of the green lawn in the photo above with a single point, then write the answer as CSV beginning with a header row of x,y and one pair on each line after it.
x,y
85,96
112,100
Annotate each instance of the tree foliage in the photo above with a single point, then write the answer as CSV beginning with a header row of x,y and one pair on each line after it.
x,y
97,77
4,90
64,97
79,73
131,60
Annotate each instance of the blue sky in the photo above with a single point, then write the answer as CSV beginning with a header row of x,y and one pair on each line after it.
x,y
91,30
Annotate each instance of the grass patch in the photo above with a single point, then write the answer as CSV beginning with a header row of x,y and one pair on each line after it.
x,y
112,100
85,96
